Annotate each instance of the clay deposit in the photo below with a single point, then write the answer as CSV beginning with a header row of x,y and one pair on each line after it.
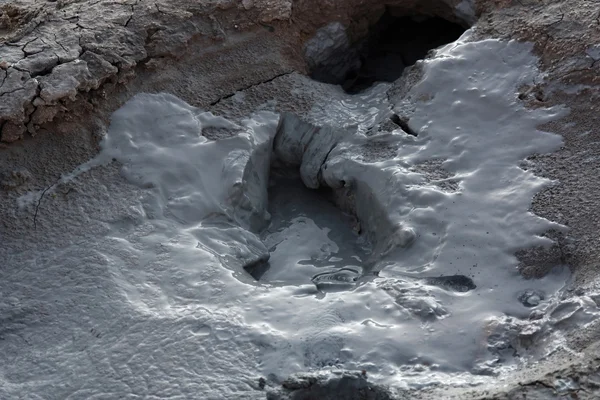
x,y
273,199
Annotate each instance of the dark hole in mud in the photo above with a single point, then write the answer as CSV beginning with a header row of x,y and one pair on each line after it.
x,y
454,283
393,43
403,124
258,269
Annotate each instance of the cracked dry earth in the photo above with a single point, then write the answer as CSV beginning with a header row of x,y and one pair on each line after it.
x,y
66,65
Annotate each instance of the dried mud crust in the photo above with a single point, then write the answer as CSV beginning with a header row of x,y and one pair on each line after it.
x,y
55,54
62,62
60,53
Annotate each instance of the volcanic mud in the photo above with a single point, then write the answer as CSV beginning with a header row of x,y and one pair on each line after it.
x,y
201,199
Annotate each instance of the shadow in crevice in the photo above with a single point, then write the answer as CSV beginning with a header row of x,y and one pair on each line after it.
x,y
392,44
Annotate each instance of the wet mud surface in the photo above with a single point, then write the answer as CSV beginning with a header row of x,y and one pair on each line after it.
x,y
310,239
127,256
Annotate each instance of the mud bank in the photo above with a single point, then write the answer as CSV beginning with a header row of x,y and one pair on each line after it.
x,y
66,66
59,53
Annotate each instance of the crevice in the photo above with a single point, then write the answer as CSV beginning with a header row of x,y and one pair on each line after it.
x,y
403,125
46,71
60,44
2,123
394,42
594,60
20,69
4,79
29,117
559,20
539,382
37,206
214,103
84,27
12,91
131,16
72,19
23,46
32,53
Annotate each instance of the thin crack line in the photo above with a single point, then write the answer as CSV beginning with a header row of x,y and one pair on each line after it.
x,y
37,207
214,103
4,79
14,90
131,16
538,382
559,20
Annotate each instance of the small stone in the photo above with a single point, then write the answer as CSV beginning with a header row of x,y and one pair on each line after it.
x,y
531,298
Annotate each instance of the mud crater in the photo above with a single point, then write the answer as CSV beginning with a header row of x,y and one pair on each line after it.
x,y
309,238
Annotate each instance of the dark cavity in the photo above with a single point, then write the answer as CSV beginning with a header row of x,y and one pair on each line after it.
x,y
392,44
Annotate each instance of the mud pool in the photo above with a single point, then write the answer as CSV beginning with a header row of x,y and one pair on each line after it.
x,y
416,285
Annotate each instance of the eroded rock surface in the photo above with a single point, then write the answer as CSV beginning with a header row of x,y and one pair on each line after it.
x,y
56,53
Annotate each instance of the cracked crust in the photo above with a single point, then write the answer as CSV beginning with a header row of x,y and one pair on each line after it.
x,y
54,52
66,50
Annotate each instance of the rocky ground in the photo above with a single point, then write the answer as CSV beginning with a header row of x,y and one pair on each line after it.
x,y
66,65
